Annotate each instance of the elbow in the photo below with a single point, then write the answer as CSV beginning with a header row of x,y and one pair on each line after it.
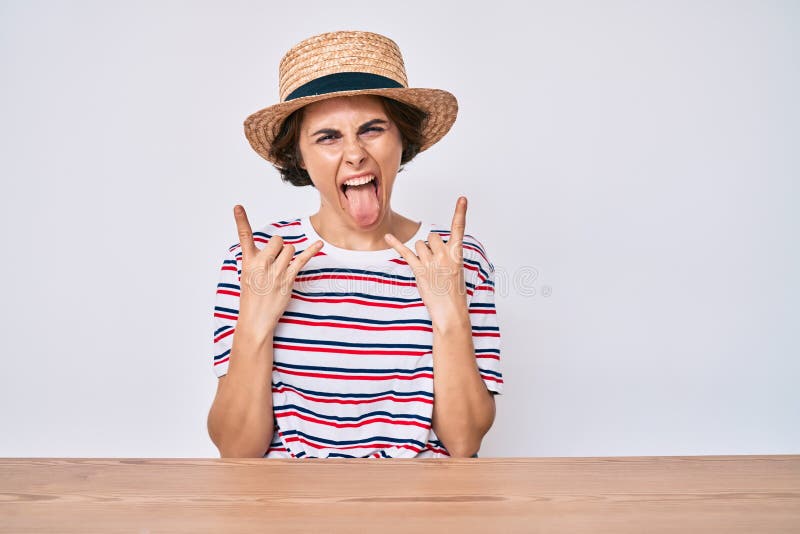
x,y
464,451
232,444
471,437
225,452
229,448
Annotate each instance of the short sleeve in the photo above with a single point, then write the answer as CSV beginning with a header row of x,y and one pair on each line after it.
x,y
226,310
479,279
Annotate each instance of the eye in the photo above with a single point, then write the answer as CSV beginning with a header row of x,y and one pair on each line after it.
x,y
373,129
326,138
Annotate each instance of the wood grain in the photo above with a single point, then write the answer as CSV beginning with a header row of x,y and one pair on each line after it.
x,y
731,494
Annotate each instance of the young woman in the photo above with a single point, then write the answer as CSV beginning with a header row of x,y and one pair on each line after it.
x,y
333,331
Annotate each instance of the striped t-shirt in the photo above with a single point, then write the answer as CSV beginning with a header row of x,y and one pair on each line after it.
x,y
353,352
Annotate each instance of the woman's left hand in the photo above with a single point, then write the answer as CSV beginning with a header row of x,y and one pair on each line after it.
x,y
439,271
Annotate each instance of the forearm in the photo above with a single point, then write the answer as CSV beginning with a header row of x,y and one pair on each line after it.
x,y
463,409
240,422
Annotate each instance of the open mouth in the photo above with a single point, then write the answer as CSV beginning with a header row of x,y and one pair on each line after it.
x,y
362,199
361,183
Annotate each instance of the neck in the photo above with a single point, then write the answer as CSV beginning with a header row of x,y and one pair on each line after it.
x,y
341,231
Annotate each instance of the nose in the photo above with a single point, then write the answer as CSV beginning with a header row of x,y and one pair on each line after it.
x,y
354,153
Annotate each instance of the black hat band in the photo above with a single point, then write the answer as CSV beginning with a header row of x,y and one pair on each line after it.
x,y
343,81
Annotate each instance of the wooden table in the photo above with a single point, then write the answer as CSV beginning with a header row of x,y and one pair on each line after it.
x,y
692,494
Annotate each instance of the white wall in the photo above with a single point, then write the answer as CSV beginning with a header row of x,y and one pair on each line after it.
x,y
641,157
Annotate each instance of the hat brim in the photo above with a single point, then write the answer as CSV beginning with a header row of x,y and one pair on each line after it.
x,y
263,126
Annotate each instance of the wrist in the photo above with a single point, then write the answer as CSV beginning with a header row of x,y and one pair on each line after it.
x,y
456,321
252,340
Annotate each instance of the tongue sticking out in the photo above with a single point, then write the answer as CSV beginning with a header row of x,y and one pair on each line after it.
x,y
362,203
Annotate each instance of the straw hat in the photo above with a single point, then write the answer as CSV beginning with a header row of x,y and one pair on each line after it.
x,y
347,63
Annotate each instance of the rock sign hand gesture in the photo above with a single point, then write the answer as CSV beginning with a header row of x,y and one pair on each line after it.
x,y
266,280
439,269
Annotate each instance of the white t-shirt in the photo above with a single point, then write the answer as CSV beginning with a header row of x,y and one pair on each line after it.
x,y
353,360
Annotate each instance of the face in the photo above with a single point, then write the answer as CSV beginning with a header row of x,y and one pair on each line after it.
x,y
351,137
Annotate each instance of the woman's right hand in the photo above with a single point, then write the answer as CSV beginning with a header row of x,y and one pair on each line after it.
x,y
266,280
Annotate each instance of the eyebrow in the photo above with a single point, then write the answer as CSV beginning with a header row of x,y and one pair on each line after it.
x,y
332,131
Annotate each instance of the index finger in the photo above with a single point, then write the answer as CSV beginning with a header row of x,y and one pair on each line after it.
x,y
245,232
411,258
459,225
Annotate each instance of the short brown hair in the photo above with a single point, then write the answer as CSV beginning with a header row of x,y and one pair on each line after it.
x,y
285,150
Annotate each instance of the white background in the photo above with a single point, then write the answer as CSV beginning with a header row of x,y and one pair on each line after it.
x,y
641,158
